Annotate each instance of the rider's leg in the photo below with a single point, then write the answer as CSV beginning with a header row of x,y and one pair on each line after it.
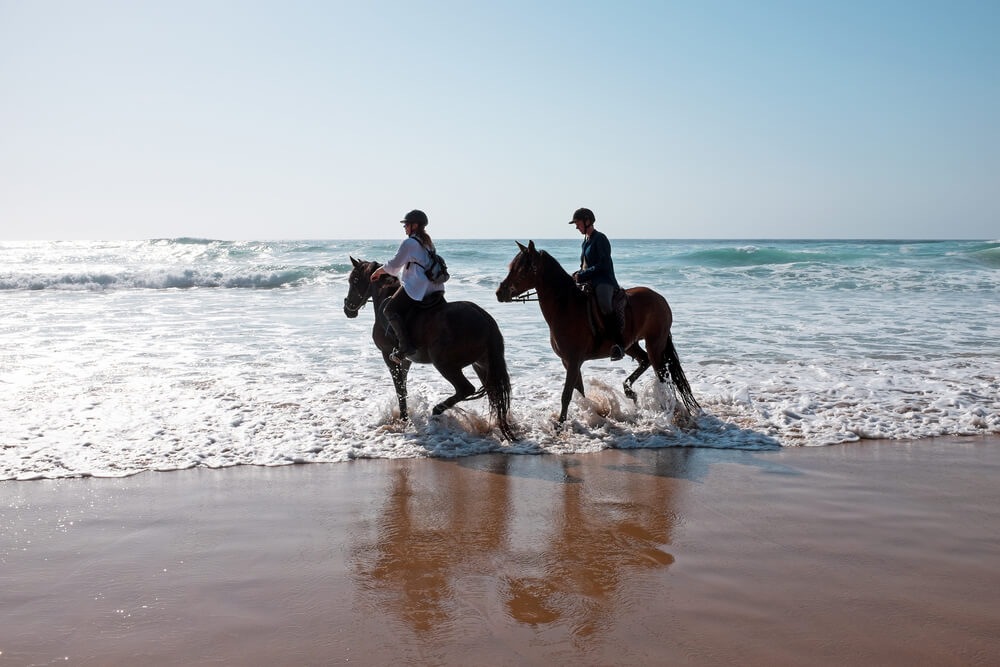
x,y
612,322
396,308
619,308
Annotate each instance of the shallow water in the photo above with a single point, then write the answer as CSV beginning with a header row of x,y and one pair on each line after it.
x,y
119,357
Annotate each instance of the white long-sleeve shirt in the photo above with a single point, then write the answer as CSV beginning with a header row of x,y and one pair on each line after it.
x,y
406,266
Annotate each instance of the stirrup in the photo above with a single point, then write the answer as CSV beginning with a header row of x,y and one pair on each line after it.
x,y
617,352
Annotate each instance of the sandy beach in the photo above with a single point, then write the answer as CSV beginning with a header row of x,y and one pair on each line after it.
x,y
870,553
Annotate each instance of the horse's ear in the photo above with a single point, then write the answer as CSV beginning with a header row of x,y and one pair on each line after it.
x,y
520,246
354,261
531,246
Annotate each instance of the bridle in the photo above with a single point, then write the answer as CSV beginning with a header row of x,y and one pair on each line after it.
x,y
530,294
348,306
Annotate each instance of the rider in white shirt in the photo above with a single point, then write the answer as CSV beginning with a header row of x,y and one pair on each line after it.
x,y
408,265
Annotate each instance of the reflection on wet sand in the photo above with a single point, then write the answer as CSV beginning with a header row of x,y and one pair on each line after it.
x,y
422,539
539,540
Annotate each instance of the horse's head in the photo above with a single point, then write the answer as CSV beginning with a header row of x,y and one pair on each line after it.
x,y
522,274
359,286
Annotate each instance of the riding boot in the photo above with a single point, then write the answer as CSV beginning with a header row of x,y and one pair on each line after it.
x,y
404,347
618,336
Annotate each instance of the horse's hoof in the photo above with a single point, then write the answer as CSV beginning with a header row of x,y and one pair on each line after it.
x,y
630,393
439,408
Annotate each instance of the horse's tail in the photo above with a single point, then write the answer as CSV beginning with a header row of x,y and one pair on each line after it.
x,y
497,382
673,365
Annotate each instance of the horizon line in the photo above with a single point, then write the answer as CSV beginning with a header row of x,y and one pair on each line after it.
x,y
511,238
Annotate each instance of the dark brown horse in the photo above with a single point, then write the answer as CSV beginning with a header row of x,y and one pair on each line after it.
x,y
450,336
571,329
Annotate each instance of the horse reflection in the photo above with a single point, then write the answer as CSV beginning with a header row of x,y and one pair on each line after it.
x,y
597,546
425,534
513,543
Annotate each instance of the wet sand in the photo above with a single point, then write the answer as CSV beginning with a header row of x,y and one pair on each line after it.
x,y
869,553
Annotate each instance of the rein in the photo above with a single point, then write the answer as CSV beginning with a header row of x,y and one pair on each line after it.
x,y
530,295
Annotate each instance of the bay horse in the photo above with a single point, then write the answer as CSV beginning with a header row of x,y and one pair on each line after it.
x,y
571,331
450,336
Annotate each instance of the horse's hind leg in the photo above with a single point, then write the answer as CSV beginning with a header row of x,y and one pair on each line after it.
x,y
482,372
657,358
463,388
668,367
639,355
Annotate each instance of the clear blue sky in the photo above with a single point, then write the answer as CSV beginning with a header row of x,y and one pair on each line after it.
x,y
329,119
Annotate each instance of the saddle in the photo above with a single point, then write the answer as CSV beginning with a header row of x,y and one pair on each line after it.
x,y
598,325
429,303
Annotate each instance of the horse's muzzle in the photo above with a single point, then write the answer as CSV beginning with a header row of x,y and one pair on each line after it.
x,y
350,310
504,293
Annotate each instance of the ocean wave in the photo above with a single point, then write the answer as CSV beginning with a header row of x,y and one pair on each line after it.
x,y
990,256
309,248
751,255
190,262
188,240
965,275
172,278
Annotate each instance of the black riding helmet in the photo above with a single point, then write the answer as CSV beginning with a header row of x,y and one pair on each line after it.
x,y
584,215
416,217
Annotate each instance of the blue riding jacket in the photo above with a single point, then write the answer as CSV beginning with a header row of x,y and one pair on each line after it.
x,y
596,266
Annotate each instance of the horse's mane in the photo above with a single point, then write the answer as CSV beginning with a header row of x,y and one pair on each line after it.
x,y
385,280
385,285
554,274
384,288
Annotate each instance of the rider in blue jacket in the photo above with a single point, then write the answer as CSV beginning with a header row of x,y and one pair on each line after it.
x,y
597,268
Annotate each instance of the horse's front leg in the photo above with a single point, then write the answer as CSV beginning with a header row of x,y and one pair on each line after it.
x,y
572,382
398,373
